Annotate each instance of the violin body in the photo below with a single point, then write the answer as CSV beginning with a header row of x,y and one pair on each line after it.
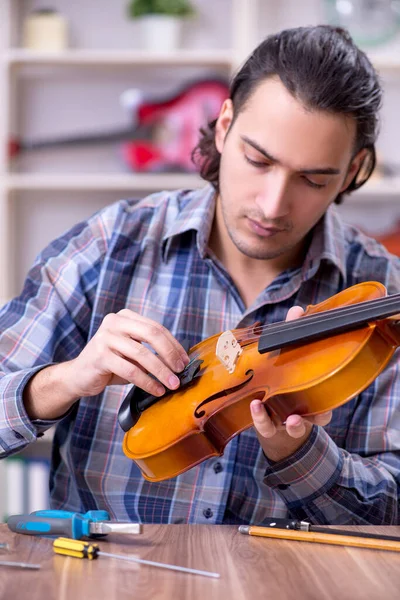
x,y
195,422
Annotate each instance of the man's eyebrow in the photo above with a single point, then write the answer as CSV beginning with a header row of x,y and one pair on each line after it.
x,y
319,171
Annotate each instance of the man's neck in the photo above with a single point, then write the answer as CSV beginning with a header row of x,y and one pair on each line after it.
x,y
250,275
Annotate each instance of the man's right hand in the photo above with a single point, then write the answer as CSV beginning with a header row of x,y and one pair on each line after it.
x,y
116,354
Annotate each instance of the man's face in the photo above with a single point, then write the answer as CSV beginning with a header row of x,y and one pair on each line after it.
x,y
281,167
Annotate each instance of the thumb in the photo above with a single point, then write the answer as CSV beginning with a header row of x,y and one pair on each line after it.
x,y
294,313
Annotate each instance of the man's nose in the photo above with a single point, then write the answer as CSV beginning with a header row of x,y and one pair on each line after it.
x,y
273,195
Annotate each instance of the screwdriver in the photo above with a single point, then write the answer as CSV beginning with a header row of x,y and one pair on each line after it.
x,y
82,549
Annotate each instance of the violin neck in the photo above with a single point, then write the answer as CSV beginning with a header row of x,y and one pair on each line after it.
x,y
331,322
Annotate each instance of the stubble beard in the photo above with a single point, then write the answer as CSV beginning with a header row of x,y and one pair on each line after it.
x,y
250,250
257,253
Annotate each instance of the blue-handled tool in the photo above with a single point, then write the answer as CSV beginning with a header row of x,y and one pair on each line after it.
x,y
72,524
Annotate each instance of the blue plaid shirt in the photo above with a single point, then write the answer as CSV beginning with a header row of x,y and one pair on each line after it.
x,y
151,256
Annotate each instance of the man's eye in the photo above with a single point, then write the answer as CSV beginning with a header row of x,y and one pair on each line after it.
x,y
256,163
312,184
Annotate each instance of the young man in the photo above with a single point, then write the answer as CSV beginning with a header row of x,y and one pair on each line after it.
x,y
106,305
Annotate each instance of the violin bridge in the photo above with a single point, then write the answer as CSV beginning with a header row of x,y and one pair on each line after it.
x,y
228,350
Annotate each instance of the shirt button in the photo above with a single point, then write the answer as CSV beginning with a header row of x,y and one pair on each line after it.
x,y
283,486
218,467
18,435
208,513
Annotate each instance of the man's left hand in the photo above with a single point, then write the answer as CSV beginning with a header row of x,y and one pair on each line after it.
x,y
279,440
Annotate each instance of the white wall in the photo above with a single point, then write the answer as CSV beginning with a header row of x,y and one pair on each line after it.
x,y
71,100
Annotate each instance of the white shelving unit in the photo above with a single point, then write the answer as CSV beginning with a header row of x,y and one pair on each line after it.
x,y
244,22
389,188
118,182
102,58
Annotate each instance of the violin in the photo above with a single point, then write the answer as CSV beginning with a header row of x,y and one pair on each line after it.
x,y
307,366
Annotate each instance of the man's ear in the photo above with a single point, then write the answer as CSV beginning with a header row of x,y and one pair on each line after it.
x,y
224,121
355,165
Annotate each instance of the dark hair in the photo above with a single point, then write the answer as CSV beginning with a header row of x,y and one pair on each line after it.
x,y
322,68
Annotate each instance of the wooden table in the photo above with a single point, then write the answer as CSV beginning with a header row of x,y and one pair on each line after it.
x,y
251,568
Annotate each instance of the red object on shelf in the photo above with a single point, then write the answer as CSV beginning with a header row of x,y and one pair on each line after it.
x,y
391,239
163,132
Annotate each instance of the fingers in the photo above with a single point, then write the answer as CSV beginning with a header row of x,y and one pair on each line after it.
x,y
126,371
279,441
296,426
122,351
141,361
145,330
262,422
125,334
294,313
321,419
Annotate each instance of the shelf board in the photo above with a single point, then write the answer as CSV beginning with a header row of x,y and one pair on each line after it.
x,y
20,56
225,58
385,188
388,189
385,61
123,182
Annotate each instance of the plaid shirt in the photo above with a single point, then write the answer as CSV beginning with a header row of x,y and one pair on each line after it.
x,y
151,257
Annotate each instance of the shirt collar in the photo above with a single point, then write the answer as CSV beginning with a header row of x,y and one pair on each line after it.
x,y
195,211
328,243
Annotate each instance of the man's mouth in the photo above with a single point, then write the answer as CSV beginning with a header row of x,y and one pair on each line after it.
x,y
264,230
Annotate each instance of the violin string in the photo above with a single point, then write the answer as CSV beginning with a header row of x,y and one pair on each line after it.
x,y
310,320
253,332
327,316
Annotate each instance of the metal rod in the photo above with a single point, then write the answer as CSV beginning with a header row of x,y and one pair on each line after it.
x,y
161,565
21,565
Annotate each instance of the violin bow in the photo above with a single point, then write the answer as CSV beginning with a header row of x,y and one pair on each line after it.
x,y
305,526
